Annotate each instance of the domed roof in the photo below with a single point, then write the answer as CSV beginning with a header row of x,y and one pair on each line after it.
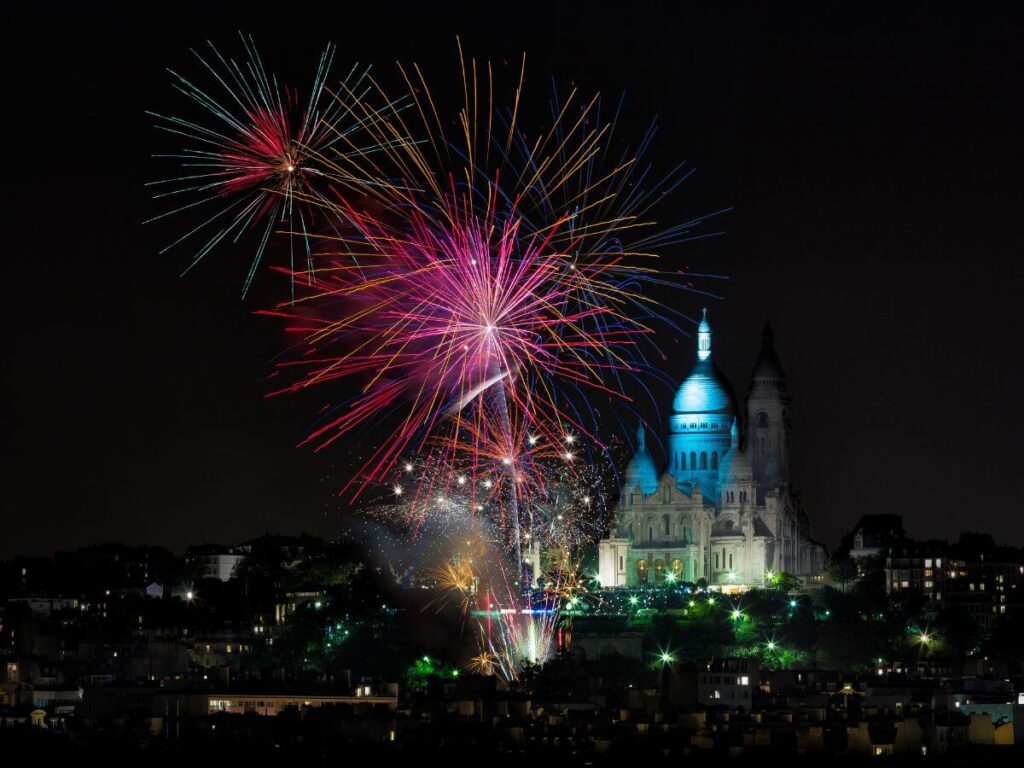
x,y
768,365
735,465
705,390
641,470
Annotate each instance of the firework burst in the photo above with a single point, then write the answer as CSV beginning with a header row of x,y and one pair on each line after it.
x,y
248,161
488,284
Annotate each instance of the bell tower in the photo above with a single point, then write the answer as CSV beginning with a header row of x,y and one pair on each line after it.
x,y
769,424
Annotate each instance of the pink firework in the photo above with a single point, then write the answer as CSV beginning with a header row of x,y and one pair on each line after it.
x,y
250,163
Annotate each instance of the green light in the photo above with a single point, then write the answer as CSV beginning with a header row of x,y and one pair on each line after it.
x,y
711,601
633,599
792,603
667,658
692,603
671,577
771,645
736,614
426,659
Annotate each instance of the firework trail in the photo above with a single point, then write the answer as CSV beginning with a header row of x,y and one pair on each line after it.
x,y
247,163
486,281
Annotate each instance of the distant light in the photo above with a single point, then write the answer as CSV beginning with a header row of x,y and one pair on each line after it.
x,y
488,484
569,439
568,456
633,599
771,645
532,439
462,480
506,460
398,490
667,658
792,603
732,575
586,499
736,614
711,601
189,595
408,467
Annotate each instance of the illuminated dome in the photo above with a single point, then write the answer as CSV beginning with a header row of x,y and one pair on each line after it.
x,y
705,390
640,470
698,429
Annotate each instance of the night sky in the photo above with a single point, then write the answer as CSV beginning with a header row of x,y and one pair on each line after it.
x,y
872,161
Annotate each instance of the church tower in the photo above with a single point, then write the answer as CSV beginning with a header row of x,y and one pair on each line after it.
x,y
768,418
702,415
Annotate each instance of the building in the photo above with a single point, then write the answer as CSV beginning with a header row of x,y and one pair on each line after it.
x,y
728,683
984,581
723,509
212,561
872,538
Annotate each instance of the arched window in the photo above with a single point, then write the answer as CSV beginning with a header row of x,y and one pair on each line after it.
x,y
714,460
730,561
716,561
650,533
641,571
682,460
659,571
677,567
762,419
693,459
664,520
703,459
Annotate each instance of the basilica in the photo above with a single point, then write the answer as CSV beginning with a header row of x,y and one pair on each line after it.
x,y
723,509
